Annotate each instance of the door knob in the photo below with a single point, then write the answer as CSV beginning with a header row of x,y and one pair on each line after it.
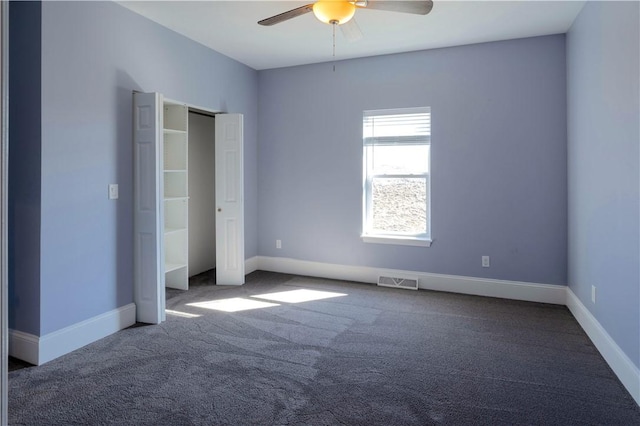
x,y
219,209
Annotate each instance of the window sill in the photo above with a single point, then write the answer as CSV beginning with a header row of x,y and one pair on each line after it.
x,y
378,239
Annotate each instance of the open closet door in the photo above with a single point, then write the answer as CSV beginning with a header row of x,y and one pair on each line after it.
x,y
148,262
229,200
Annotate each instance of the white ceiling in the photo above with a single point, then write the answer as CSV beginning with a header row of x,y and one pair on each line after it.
x,y
230,27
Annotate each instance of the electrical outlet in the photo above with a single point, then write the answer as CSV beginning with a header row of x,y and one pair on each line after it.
x,y
486,261
113,191
278,244
593,294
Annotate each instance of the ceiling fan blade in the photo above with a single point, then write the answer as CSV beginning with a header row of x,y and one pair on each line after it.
x,y
417,7
293,13
351,30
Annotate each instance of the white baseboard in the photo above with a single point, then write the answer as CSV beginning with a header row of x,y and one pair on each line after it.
x,y
543,293
38,350
619,362
251,265
23,346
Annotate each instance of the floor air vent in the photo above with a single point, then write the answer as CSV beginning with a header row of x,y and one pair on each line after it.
x,y
406,283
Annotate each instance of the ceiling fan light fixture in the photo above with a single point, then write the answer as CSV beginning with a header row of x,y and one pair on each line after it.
x,y
334,11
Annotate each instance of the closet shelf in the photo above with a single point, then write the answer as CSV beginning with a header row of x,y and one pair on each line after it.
x,y
172,230
168,267
175,163
174,132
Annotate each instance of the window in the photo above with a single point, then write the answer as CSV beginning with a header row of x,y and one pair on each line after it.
x,y
397,156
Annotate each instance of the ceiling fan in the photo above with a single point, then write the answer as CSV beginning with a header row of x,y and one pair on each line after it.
x,y
340,12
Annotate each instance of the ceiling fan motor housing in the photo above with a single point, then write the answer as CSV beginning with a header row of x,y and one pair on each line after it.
x,y
334,11
338,12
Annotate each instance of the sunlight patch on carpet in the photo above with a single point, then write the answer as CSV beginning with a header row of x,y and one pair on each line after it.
x,y
299,296
181,314
234,304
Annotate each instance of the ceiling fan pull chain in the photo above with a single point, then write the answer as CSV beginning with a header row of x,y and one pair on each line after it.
x,y
334,25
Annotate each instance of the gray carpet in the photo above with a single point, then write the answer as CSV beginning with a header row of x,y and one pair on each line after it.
x,y
372,356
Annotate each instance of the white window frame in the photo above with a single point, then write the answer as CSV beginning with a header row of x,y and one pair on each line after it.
x,y
368,235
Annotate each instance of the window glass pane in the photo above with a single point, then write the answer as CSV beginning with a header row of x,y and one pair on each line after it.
x,y
399,205
400,159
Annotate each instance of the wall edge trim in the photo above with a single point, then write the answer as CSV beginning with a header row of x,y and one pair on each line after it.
x,y
251,265
23,346
75,336
516,290
620,363
39,350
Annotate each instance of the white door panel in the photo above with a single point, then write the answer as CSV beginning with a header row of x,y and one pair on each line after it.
x,y
229,200
148,213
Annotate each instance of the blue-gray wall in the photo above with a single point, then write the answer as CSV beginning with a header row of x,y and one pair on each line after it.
x,y
604,181
94,54
499,157
24,170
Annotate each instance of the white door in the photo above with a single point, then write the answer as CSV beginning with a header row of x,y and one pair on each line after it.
x,y
148,290
229,200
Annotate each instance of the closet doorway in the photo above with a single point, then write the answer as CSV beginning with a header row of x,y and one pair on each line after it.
x,y
162,188
202,197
